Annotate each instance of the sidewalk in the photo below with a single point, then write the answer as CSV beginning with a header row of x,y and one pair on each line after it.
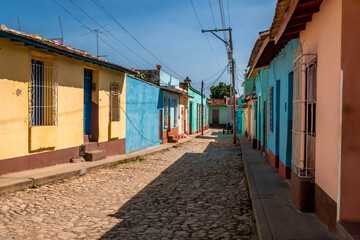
x,y
275,215
41,176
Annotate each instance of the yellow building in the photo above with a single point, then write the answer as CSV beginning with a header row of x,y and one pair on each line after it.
x,y
58,103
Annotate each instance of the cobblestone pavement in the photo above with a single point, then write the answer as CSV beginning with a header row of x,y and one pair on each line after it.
x,y
197,190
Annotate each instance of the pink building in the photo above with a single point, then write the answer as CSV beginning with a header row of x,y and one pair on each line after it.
x,y
326,130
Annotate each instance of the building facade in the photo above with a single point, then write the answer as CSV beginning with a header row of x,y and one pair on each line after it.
x,y
60,104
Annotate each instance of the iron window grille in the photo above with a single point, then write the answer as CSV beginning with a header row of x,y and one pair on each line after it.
x,y
43,94
303,120
114,102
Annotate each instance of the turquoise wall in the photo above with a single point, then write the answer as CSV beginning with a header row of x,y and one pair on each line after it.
x,y
249,85
281,67
261,83
193,102
143,103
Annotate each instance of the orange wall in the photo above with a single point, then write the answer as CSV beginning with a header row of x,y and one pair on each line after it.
x,y
350,147
323,37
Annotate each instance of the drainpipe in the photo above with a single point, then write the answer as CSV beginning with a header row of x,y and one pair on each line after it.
x,y
339,146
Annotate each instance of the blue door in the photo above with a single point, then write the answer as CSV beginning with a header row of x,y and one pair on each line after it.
x,y
277,119
87,101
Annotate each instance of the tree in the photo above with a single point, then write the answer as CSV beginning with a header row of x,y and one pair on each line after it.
x,y
220,91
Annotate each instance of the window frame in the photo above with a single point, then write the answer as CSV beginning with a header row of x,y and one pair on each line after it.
x,y
43,97
118,119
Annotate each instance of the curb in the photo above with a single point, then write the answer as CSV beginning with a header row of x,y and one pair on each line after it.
x,y
262,233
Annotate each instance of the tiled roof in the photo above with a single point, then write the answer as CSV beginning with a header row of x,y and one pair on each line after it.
x,y
59,48
217,102
259,42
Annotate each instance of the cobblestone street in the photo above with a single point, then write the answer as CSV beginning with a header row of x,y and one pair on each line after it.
x,y
197,190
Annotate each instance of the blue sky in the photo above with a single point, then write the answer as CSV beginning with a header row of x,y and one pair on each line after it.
x,y
168,28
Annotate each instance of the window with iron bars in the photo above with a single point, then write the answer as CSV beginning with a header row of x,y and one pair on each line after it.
x,y
114,102
271,108
43,94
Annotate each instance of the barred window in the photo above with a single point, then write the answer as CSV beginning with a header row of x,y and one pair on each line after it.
x,y
114,102
43,94
271,108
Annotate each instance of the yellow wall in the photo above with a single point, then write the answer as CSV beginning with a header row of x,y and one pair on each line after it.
x,y
106,77
15,75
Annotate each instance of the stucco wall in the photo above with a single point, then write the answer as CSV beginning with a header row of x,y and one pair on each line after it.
x,y
105,78
323,37
279,70
168,80
142,114
222,114
15,75
193,117
262,83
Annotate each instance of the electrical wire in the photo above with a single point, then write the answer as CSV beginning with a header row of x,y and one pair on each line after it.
x,y
207,39
228,10
99,5
78,20
212,14
222,16
96,22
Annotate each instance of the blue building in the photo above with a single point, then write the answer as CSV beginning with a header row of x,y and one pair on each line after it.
x,y
280,111
170,92
261,87
143,104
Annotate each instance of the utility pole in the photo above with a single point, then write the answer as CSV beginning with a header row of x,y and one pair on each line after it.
x,y
230,52
202,108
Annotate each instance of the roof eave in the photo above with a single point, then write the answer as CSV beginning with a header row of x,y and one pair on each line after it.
x,y
29,42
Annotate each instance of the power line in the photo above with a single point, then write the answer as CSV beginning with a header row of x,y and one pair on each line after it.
x,y
222,16
228,12
94,33
207,39
146,49
206,79
212,14
117,39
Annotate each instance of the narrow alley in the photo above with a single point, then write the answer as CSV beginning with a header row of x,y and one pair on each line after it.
x,y
197,190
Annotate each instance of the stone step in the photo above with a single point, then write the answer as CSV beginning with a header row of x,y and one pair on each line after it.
x,y
95,155
77,160
91,146
172,139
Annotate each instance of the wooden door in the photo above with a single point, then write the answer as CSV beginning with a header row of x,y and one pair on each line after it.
x,y
310,116
215,116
